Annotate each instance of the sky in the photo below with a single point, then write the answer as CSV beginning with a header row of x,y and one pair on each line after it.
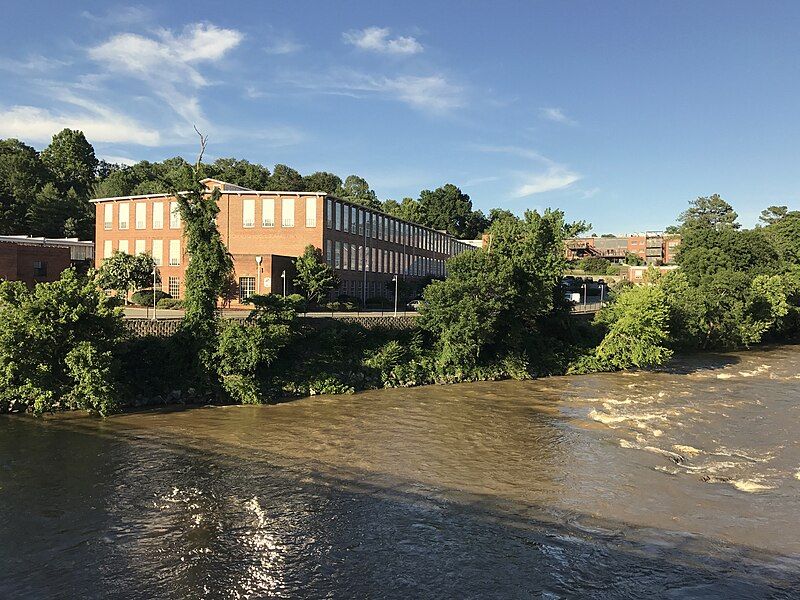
x,y
618,113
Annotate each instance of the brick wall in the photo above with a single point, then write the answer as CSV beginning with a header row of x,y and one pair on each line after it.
x,y
17,262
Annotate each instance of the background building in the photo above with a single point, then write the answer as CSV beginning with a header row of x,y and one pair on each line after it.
x,y
36,260
653,247
366,247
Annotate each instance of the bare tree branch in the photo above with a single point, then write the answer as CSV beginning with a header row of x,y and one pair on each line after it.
x,y
203,142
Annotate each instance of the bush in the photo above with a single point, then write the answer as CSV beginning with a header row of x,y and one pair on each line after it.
x,y
174,303
145,297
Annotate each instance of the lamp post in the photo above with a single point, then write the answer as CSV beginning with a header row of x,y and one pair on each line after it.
x,y
396,281
585,293
258,274
283,276
155,275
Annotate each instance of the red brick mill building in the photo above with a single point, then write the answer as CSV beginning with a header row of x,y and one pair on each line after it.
x,y
265,230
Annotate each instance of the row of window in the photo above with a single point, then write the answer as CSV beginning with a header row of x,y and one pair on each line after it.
x,y
268,212
140,215
342,255
374,289
360,221
140,247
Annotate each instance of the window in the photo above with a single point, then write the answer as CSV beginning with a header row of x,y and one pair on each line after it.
x,y
374,262
268,212
353,220
338,255
346,219
338,212
39,268
141,215
311,212
368,224
361,221
360,264
174,216
174,287
158,252
247,287
107,249
248,213
158,215
353,257
345,255
329,213
124,213
174,253
329,252
123,246
138,247
287,212
108,216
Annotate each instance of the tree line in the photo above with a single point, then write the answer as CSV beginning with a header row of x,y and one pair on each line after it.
x,y
47,193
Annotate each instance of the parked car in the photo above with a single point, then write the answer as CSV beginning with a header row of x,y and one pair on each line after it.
x,y
415,304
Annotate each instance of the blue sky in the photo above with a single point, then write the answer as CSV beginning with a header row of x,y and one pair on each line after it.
x,y
617,112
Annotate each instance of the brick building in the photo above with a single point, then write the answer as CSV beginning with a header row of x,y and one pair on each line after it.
x,y
653,247
367,248
37,260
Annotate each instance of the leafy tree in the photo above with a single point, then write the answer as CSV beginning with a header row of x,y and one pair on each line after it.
x,y
49,211
286,179
672,229
709,212
71,162
784,234
22,175
633,259
241,172
773,214
595,264
124,272
356,189
56,344
408,210
498,214
315,278
322,181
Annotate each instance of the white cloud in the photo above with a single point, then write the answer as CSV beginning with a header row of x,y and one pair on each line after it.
x,y
118,160
556,115
125,15
38,125
555,176
169,63
285,46
376,39
34,63
480,180
432,93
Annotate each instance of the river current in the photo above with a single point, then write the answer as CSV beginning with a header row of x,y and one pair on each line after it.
x,y
681,483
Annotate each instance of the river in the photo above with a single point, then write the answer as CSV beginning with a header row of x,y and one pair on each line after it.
x,y
682,483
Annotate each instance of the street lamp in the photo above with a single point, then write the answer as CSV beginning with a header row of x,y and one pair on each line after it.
x,y
396,281
283,276
258,275
585,293
155,275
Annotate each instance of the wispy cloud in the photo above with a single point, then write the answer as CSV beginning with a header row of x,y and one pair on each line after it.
x,y
124,15
169,63
590,193
283,46
556,115
480,180
34,63
376,39
431,93
555,176
118,160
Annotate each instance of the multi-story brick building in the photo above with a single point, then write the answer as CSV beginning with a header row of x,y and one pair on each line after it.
x,y
265,230
653,247
38,260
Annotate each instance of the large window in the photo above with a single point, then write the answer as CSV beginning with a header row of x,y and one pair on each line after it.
x,y
248,213
338,255
123,246
174,216
158,215
345,255
108,216
337,210
158,252
353,257
174,253
311,212
329,213
346,219
138,247
268,212
141,215
361,221
247,287
174,287
287,212
39,268
124,215
353,220
329,252
107,249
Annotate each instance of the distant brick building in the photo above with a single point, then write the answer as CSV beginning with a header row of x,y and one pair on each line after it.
x,y
366,248
653,247
37,260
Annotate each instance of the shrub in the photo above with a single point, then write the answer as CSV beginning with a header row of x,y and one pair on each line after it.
x,y
145,297
174,303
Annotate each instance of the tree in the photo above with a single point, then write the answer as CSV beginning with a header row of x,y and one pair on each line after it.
x,y
322,181
408,210
315,278
356,189
48,212
784,234
711,212
773,214
125,272
595,264
56,344
286,179
71,162
22,175
633,259
448,208
241,172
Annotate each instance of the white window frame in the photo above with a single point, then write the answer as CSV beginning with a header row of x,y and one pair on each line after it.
x,y
248,213
124,211
268,212
139,247
174,253
158,252
122,246
158,215
287,212
108,216
140,215
311,212
174,216
108,249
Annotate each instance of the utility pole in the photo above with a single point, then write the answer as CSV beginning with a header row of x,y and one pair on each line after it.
x,y
396,280
283,276
155,275
259,259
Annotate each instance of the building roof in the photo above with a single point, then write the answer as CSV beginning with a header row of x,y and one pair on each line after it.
x,y
43,241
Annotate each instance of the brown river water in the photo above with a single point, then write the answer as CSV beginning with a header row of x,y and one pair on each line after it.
x,y
683,483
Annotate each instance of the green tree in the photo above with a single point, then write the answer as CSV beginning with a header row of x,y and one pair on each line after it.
x,y
240,172
448,208
633,259
709,212
56,346
773,214
322,181
286,179
314,278
22,175
356,189
784,234
595,265
71,162
125,272
48,212
408,210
